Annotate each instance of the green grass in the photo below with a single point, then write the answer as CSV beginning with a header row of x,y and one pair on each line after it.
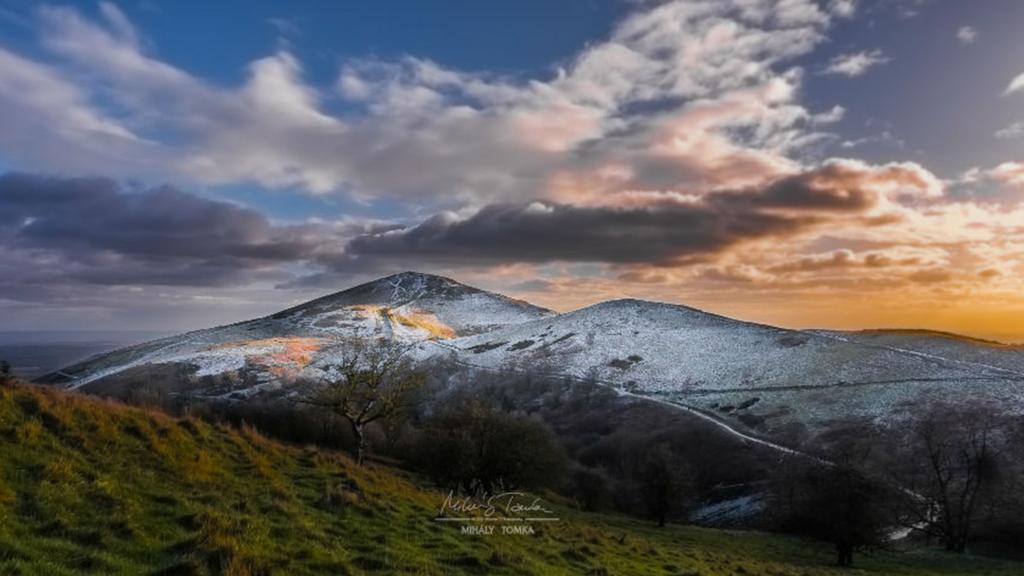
x,y
88,486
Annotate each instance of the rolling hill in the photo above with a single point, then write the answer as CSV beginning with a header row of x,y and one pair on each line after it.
x,y
267,351
773,382
759,377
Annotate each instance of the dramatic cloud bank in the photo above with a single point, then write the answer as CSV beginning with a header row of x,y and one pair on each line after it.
x,y
661,230
59,235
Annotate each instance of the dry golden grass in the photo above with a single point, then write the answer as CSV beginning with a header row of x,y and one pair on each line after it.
x,y
427,322
415,319
286,356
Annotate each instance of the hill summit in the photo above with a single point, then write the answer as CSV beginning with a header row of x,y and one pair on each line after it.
x,y
455,309
260,354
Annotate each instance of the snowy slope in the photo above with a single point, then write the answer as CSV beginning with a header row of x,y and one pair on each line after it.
x,y
757,376
953,347
409,306
768,380
667,348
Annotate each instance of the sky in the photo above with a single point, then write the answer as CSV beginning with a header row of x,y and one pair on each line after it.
x,y
831,164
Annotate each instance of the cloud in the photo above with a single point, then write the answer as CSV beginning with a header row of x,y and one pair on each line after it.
x,y
57,233
1007,176
967,34
843,8
77,235
1011,132
855,64
1009,173
670,231
46,115
1016,85
119,23
902,8
842,259
884,137
545,232
934,275
725,69
532,286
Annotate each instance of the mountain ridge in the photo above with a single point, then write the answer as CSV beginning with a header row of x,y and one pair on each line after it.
x,y
762,377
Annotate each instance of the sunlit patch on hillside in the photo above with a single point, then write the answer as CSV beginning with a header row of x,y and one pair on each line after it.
x,y
419,321
281,356
424,321
369,311
288,355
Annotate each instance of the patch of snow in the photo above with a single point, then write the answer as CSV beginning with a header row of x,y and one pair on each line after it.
x,y
730,510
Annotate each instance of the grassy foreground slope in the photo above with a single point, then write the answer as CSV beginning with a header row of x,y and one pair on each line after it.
x,y
88,486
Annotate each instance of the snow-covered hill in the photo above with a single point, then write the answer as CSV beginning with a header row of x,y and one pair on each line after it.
x,y
769,380
269,351
410,306
756,376
665,348
954,347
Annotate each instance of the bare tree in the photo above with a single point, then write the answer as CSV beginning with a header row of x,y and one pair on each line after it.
x,y
372,379
953,459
